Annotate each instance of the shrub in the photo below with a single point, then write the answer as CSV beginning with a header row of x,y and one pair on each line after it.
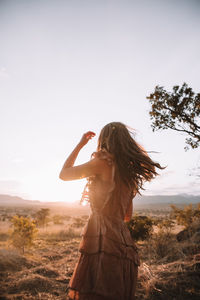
x,y
163,244
57,219
165,225
24,232
79,222
186,216
67,218
42,217
140,227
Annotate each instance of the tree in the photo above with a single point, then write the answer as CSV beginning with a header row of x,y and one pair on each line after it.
x,y
24,232
177,110
41,216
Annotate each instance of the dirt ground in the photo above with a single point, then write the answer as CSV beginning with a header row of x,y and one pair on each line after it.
x,y
169,270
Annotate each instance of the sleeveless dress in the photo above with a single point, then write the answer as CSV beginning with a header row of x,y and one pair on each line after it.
x,y
108,264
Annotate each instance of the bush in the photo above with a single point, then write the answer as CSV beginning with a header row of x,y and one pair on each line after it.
x,y
140,227
165,225
66,218
79,222
42,217
186,216
24,232
57,219
163,244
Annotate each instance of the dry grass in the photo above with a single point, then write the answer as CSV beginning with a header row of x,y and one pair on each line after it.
x,y
33,284
41,274
61,235
4,236
162,247
44,271
12,261
170,270
177,280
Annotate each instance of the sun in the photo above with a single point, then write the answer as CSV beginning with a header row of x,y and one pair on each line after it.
x,y
53,189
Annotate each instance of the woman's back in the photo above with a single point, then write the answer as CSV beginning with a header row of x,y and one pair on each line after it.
x,y
107,194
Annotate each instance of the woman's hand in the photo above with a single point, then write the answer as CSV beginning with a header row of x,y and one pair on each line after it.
x,y
69,172
86,137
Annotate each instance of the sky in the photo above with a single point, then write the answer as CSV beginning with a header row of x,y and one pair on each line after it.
x,y
67,67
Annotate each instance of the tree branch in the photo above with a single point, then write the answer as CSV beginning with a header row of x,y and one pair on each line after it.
x,y
184,130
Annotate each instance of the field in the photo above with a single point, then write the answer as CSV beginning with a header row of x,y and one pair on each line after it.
x,y
170,269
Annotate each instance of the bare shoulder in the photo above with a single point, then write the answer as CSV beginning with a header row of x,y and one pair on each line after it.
x,y
104,163
104,155
100,163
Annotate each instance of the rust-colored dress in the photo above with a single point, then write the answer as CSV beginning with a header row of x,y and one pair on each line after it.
x,y
108,264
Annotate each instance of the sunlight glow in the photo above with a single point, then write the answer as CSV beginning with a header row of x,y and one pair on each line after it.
x,y
54,189
84,203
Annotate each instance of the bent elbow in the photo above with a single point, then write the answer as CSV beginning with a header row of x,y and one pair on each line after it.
x,y
64,176
61,176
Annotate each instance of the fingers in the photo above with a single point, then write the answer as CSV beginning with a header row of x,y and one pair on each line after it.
x,y
86,137
89,135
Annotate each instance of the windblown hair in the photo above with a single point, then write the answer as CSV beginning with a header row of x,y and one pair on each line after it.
x,y
133,164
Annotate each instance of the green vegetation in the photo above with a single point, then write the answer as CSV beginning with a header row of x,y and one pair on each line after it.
x,y
140,227
57,219
42,217
24,232
178,110
186,216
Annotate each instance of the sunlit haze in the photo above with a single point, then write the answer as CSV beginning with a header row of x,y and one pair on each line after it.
x,y
67,67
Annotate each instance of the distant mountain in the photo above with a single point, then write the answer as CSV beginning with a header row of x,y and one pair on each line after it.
x,y
15,200
139,201
160,200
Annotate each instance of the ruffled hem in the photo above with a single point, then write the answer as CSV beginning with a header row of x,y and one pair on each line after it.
x,y
108,264
103,276
75,295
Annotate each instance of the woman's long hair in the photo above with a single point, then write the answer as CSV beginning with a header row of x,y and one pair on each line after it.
x,y
133,164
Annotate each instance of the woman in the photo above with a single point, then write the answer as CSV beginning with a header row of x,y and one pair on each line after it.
x,y
108,265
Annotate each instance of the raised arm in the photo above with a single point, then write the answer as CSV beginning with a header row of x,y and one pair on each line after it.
x,y
69,172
